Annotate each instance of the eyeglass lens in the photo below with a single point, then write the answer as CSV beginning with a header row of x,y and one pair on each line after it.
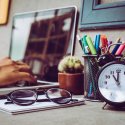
x,y
60,96
23,97
28,97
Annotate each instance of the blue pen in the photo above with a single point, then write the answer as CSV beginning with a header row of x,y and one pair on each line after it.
x,y
116,47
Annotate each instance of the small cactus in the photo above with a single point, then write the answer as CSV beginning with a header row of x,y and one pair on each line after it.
x,y
70,64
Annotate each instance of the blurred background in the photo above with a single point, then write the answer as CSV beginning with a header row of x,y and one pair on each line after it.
x,y
19,6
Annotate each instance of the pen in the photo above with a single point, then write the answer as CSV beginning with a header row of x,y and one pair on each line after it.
x,y
120,49
91,46
116,47
79,39
109,43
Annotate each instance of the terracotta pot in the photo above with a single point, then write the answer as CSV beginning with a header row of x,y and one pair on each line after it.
x,y
72,82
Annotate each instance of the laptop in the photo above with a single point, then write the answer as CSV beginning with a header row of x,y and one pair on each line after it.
x,y
41,39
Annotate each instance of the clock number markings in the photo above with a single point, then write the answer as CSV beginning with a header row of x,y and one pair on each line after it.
x,y
105,82
111,72
107,76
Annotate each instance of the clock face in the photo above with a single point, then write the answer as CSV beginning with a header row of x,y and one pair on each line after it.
x,y
111,82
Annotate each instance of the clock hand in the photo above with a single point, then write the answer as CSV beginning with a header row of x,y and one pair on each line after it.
x,y
118,76
114,77
118,83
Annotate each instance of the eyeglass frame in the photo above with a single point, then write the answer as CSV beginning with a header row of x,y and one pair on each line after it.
x,y
11,101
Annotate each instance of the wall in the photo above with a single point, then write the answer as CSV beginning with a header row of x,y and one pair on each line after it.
x,y
18,6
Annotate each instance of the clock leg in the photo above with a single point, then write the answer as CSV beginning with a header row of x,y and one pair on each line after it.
x,y
104,106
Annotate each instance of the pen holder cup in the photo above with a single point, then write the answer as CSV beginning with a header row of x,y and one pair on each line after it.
x,y
90,70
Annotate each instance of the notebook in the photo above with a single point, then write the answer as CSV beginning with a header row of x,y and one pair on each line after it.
x,y
37,106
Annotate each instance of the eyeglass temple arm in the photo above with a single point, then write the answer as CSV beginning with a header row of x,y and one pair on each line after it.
x,y
21,101
40,100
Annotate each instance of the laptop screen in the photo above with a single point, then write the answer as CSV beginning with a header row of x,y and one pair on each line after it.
x,y
42,38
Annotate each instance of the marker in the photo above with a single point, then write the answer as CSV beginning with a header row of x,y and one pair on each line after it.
x,y
104,42
120,49
116,47
97,42
85,45
91,46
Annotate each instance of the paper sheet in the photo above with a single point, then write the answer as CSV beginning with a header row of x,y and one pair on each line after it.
x,y
37,106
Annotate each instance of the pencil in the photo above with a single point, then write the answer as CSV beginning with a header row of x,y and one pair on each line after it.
x,y
79,39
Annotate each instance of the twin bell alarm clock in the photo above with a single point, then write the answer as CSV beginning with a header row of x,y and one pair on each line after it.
x,y
111,80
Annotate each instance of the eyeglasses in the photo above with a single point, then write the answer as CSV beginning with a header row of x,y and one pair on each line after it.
x,y
25,97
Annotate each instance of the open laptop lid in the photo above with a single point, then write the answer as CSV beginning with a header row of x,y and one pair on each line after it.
x,y
43,36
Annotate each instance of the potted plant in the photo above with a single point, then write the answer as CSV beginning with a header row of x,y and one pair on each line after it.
x,y
70,75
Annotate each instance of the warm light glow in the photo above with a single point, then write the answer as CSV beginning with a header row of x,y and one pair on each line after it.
x,y
4,6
